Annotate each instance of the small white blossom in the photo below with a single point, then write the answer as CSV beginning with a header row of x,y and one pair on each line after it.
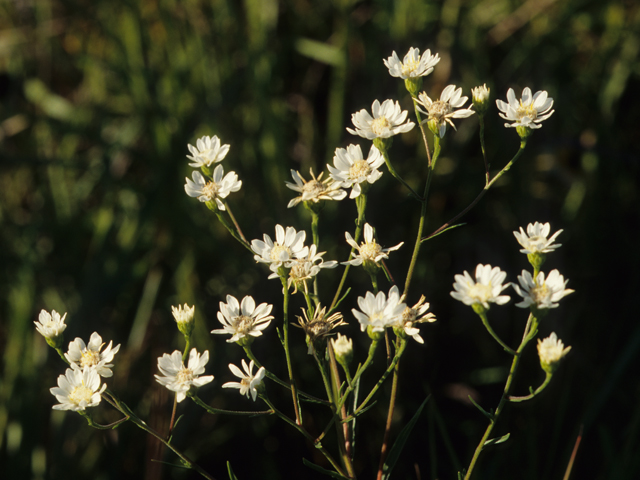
x,y
183,314
413,315
220,187
305,268
82,356
413,64
243,320
387,120
527,112
289,245
378,311
351,169
208,151
485,289
343,349
50,325
480,94
78,389
440,112
535,240
542,293
369,252
551,350
249,382
314,190
179,378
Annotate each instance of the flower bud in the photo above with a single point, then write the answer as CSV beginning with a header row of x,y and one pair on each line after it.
x,y
524,132
551,351
413,85
184,318
481,99
51,326
343,349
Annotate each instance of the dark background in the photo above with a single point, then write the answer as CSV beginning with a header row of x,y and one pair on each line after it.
x,y
98,101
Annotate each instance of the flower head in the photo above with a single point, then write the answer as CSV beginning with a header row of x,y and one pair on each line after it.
x,y
51,326
179,378
351,169
249,382
214,190
315,189
243,321
319,327
535,240
78,389
305,268
387,120
82,356
440,112
208,150
413,64
289,245
480,98
184,318
343,349
541,293
485,289
369,252
527,112
379,311
413,315
551,350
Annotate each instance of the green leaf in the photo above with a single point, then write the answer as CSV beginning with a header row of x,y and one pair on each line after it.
x,y
398,445
318,468
496,441
440,233
232,476
484,412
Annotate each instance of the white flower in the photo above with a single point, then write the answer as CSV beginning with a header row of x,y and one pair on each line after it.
x,y
209,150
485,289
541,293
551,350
379,312
416,314
535,240
413,64
305,268
314,190
82,356
388,120
183,314
289,244
369,252
220,187
78,389
179,378
249,382
440,112
50,325
480,94
527,112
343,349
351,169
243,320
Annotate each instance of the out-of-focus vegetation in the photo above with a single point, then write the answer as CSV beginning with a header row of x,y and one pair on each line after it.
x,y
98,100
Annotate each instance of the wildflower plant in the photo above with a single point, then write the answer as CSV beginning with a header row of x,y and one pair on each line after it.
x,y
346,388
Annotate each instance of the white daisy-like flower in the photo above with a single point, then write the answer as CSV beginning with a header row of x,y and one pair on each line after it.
x,y
413,315
369,252
528,111
315,189
387,120
343,349
305,268
379,311
480,98
485,289
551,350
535,240
413,64
289,245
50,325
83,357
208,150
440,112
249,382
179,378
243,320
78,389
183,314
351,169
541,293
220,187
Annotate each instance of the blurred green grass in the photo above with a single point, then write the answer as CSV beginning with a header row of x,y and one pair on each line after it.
x,y
97,103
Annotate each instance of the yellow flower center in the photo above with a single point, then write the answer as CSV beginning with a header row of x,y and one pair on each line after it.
x,y
370,251
313,189
536,243
242,324
526,111
409,67
277,250
439,110
359,169
185,375
80,395
380,125
210,190
480,292
298,271
540,293
90,358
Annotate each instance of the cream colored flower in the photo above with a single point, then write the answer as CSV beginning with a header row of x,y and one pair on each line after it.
x,y
315,189
485,289
178,378
414,315
528,111
535,240
351,169
541,293
413,64
343,349
243,321
50,325
440,112
289,245
82,356
215,190
249,382
369,252
303,269
551,350
208,151
379,311
319,327
387,120
78,389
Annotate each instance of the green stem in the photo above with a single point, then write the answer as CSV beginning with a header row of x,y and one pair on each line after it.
x,y
484,153
485,321
361,369
218,411
285,328
397,176
424,134
533,394
232,230
316,241
235,223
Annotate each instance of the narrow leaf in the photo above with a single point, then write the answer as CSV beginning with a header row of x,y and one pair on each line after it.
x,y
440,233
484,412
398,445
232,476
318,468
496,441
